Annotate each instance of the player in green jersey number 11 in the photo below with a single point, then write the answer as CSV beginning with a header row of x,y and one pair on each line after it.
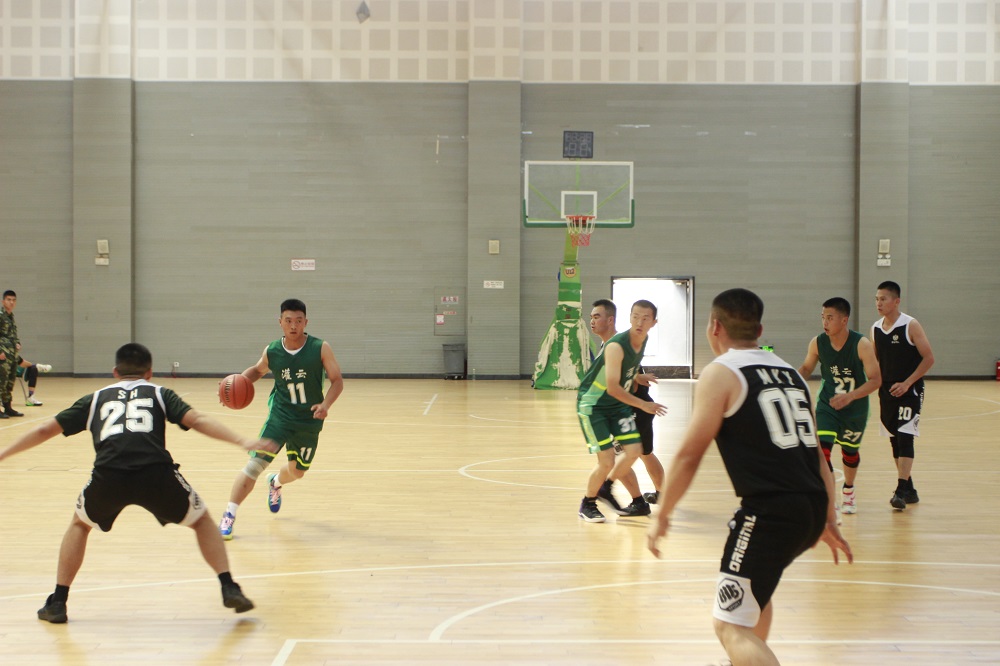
x,y
297,408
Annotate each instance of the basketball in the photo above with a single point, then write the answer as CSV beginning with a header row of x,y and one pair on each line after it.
x,y
235,391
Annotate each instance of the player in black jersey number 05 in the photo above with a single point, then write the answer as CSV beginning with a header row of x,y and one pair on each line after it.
x,y
758,410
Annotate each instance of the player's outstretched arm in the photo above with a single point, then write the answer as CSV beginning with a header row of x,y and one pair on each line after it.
x,y
812,358
211,428
33,438
258,369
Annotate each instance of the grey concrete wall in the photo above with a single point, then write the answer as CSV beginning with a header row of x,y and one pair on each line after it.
x,y
36,214
954,239
494,196
735,185
883,191
102,210
754,186
235,181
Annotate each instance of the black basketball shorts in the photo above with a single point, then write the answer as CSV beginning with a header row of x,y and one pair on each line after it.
x,y
902,414
765,535
644,421
159,489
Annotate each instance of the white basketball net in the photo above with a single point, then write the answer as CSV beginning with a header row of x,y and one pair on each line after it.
x,y
580,228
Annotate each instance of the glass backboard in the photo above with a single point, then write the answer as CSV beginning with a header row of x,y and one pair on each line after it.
x,y
553,190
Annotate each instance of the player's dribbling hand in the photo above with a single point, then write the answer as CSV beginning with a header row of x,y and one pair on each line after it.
x,y
657,528
836,541
319,412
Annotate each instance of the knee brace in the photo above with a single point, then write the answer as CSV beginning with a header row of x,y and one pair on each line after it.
x,y
31,375
903,447
827,452
851,457
255,467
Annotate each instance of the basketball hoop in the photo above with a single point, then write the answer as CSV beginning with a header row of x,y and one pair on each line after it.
x,y
580,228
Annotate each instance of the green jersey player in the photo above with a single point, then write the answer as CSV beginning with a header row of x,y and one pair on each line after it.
x,y
850,374
297,407
605,402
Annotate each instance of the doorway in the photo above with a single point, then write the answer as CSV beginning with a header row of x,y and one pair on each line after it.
x,y
670,349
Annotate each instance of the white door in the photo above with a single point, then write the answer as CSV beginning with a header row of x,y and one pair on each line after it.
x,y
671,340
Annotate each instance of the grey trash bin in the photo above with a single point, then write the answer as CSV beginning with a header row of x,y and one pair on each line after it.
x,y
454,361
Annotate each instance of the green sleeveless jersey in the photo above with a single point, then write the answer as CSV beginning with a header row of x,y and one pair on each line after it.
x,y
298,384
842,371
593,392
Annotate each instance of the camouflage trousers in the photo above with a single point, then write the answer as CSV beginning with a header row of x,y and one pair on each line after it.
x,y
8,374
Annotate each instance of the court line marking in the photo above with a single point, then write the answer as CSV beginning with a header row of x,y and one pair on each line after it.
x,y
463,471
430,404
439,630
967,416
567,423
435,638
290,644
20,422
484,565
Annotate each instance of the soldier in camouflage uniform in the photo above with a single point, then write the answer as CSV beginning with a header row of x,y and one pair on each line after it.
x,y
9,346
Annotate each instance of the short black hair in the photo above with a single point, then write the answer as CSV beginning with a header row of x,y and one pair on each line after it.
x,y
839,304
9,292
644,304
739,311
133,359
891,286
292,305
608,305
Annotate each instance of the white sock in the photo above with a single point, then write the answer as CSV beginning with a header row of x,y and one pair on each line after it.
x,y
232,508
275,481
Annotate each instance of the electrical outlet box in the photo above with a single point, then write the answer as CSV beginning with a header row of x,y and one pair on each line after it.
x,y
177,364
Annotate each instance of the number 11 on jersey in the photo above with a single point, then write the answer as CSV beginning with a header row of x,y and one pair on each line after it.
x,y
299,399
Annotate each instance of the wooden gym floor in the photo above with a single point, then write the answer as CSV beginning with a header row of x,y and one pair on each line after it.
x,y
438,525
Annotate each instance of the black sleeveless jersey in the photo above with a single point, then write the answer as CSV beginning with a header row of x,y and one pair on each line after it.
x,y
768,438
897,355
128,423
